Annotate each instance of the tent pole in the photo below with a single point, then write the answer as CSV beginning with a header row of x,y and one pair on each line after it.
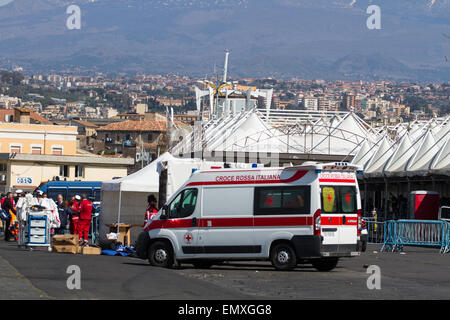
x,y
120,205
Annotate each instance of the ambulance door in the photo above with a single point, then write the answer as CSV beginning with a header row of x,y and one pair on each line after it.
x,y
339,218
226,228
182,220
330,218
348,234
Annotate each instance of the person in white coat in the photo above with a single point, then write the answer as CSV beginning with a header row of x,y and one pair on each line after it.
x,y
51,209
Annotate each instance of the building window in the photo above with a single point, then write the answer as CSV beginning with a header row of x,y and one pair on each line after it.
x,y
57,151
16,149
3,167
79,171
36,150
64,170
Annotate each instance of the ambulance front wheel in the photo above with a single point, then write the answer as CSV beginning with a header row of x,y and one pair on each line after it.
x,y
325,264
283,257
161,254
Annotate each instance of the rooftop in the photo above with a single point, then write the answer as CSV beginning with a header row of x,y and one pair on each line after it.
x,y
131,125
33,115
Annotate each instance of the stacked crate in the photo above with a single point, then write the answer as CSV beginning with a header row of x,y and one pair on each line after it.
x,y
67,243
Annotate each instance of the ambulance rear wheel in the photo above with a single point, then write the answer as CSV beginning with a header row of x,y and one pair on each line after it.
x,y
283,257
160,255
325,264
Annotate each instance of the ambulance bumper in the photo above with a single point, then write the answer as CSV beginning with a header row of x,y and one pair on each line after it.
x,y
341,254
343,250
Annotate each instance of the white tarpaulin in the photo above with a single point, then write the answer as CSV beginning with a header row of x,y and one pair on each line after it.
x,y
145,180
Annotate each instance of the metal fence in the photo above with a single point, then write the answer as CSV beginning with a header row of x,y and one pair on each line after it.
x,y
375,230
398,233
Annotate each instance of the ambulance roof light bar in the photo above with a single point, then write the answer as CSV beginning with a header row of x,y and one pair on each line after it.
x,y
319,167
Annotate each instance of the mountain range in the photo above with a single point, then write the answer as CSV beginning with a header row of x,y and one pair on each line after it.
x,y
326,39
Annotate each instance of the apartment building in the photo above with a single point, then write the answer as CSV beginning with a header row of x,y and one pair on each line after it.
x,y
34,153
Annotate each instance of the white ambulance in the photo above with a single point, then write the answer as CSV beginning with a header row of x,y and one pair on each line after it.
x,y
308,213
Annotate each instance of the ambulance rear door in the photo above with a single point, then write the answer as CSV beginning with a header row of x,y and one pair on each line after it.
x,y
339,217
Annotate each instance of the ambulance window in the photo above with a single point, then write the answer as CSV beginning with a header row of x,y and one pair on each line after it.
x,y
329,200
347,199
184,204
282,200
294,198
188,203
270,198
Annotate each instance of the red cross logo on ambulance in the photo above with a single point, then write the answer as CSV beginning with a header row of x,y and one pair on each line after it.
x,y
188,238
347,197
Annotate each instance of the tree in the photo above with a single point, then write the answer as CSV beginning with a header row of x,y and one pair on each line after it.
x,y
11,78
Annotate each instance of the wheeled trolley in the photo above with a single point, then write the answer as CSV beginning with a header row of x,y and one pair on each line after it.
x,y
37,228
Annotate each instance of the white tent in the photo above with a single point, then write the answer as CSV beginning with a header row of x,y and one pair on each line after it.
x,y
145,180
125,199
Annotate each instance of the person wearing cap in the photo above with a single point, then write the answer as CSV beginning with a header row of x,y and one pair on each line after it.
x,y
151,208
19,194
85,219
39,194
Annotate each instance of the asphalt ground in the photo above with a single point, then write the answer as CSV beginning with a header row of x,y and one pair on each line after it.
x,y
417,273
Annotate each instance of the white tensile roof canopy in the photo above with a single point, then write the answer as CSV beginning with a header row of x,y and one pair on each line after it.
x,y
282,131
415,148
423,148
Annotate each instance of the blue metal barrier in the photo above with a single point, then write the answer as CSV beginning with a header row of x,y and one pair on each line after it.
x,y
398,233
446,248
375,230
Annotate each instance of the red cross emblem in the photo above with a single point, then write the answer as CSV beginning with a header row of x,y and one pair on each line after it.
x,y
329,197
347,197
188,238
269,201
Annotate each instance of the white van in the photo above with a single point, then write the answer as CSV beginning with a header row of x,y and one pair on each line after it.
x,y
308,213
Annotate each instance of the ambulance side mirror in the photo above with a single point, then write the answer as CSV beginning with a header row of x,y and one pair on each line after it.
x,y
164,212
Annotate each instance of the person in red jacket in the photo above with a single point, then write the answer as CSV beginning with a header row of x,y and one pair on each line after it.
x,y
75,214
85,219
152,209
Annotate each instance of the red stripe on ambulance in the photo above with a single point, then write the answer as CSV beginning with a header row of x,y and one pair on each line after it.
x,y
232,222
297,176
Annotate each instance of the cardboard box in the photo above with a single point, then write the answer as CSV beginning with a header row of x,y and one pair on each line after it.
x,y
66,249
91,250
124,233
65,239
